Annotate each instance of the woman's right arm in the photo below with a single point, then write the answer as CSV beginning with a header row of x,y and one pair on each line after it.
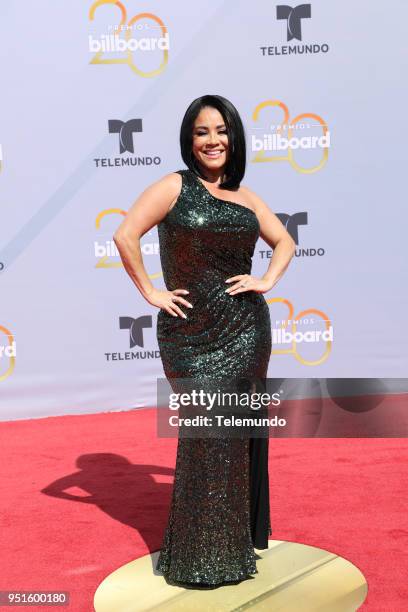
x,y
148,210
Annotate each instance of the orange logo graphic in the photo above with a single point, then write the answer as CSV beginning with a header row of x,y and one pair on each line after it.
x,y
127,45
7,352
284,139
289,334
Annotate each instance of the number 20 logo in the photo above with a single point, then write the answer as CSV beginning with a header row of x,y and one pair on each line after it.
x,y
290,317
126,26
104,260
9,340
288,124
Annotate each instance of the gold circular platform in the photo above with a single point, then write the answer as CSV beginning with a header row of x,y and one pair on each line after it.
x,y
291,577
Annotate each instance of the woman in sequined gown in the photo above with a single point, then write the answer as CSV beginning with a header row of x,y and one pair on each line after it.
x,y
220,502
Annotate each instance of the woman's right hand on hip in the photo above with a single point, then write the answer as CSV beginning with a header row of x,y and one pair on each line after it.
x,y
168,300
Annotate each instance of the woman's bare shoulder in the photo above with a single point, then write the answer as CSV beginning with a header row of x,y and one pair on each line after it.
x,y
253,198
172,179
167,186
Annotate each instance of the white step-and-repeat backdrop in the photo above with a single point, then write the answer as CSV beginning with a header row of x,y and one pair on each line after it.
x,y
92,98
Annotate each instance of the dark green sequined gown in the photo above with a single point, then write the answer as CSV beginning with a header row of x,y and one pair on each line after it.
x,y
220,503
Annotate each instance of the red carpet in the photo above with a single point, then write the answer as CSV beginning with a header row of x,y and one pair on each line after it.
x,y
109,479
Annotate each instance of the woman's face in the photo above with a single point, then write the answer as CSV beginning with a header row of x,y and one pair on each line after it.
x,y
210,139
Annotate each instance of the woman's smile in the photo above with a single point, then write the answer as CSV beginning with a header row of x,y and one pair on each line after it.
x,y
213,154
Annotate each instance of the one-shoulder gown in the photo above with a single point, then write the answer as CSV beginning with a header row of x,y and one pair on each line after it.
x,y
219,509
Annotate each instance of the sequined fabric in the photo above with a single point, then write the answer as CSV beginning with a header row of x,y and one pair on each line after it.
x,y
220,502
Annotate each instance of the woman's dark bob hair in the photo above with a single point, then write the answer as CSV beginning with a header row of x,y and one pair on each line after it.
x,y
236,159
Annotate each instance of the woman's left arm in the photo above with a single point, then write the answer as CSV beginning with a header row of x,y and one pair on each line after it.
x,y
275,234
